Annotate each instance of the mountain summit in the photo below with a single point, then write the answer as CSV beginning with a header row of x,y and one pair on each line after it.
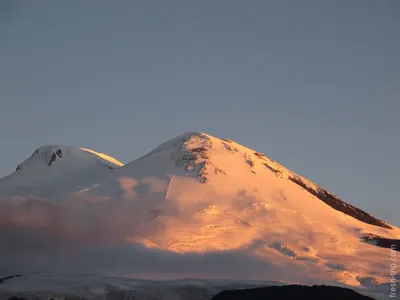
x,y
198,194
54,169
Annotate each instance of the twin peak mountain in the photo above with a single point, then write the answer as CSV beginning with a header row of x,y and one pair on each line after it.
x,y
207,159
200,193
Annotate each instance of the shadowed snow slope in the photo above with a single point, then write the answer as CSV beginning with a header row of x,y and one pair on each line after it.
x,y
206,204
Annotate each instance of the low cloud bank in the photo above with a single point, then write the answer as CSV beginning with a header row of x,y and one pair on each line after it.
x,y
78,236
81,235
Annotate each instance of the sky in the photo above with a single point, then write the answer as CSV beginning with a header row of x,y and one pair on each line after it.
x,y
315,85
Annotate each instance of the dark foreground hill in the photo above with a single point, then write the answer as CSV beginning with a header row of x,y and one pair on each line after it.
x,y
196,292
292,292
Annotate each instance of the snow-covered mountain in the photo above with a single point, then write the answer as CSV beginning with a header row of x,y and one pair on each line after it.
x,y
55,169
201,195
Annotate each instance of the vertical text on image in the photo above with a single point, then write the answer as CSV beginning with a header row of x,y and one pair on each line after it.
x,y
393,271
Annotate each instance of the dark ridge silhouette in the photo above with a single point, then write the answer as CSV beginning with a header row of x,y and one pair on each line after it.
x,y
56,296
338,204
292,292
4,279
381,241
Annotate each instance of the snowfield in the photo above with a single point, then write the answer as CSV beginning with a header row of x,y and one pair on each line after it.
x,y
196,206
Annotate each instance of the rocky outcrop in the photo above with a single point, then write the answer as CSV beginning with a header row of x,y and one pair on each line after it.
x,y
338,204
379,241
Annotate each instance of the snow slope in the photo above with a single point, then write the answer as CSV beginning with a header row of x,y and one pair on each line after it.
x,y
211,194
197,195
55,169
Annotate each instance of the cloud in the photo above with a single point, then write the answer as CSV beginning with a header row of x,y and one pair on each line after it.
x,y
83,234
42,225
135,260
77,235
